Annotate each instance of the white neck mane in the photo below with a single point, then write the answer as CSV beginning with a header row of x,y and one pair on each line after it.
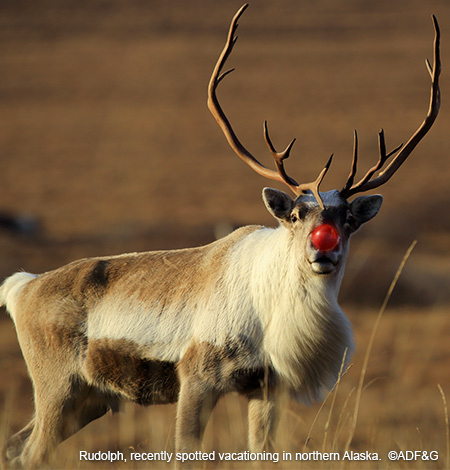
x,y
305,331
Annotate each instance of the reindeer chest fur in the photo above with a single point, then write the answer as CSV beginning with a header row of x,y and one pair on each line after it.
x,y
276,317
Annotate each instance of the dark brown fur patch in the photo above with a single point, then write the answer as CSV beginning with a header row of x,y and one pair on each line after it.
x,y
120,366
84,404
99,275
227,368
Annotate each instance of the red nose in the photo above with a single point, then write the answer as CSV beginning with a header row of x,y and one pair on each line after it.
x,y
325,237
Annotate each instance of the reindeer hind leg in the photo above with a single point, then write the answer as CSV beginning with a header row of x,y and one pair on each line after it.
x,y
15,444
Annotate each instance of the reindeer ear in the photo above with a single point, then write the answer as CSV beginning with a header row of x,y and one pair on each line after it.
x,y
365,208
278,203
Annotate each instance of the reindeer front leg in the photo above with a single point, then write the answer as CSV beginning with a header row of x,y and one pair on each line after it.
x,y
198,395
195,404
263,417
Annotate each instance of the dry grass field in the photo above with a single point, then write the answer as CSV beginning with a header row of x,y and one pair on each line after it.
x,y
107,146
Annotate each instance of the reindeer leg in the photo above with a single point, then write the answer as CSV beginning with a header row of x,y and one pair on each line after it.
x,y
61,411
263,418
15,443
195,404
45,432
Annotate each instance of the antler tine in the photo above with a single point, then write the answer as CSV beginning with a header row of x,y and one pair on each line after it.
x,y
279,157
366,183
297,189
352,174
314,185
381,161
280,174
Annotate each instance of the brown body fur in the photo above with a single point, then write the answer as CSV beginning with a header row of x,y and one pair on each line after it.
x,y
77,379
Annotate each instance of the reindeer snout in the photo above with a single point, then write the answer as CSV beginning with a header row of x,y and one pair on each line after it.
x,y
323,251
325,237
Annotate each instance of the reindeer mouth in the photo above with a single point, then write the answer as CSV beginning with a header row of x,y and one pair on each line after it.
x,y
322,263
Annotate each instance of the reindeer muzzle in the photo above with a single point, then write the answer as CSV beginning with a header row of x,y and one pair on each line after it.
x,y
325,237
324,255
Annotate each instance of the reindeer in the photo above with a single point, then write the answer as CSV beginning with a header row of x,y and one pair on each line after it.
x,y
254,312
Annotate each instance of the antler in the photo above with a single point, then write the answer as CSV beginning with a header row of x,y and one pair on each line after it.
x,y
366,183
216,110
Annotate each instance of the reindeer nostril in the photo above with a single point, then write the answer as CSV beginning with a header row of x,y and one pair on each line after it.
x,y
325,237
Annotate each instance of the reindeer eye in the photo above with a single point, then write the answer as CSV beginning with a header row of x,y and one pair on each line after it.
x,y
302,211
294,218
350,219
